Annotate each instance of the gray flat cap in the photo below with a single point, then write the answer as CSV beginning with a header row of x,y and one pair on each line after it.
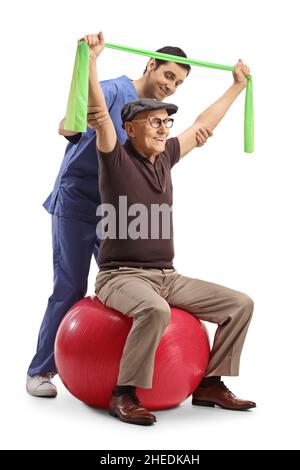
x,y
130,110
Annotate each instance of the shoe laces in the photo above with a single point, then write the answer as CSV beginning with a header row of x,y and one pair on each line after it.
x,y
133,399
226,388
45,378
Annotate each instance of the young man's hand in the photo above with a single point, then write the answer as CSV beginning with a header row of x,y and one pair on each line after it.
x,y
202,135
96,117
240,73
95,43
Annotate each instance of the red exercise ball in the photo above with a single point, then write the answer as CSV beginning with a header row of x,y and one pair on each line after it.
x,y
89,346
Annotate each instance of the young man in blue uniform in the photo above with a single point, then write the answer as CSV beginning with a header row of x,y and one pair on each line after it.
x,y
75,198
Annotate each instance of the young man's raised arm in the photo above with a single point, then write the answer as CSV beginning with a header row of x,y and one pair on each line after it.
x,y
210,118
106,134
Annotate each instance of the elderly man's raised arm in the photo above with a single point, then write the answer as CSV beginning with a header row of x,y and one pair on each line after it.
x,y
106,134
208,120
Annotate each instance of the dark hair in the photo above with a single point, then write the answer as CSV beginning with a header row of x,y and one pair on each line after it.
x,y
171,51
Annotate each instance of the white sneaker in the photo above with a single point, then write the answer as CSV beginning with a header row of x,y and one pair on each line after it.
x,y
41,386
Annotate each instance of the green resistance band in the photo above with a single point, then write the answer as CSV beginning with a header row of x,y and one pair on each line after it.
x,y
76,114
248,117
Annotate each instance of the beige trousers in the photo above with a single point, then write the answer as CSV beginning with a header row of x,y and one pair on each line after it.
x,y
147,294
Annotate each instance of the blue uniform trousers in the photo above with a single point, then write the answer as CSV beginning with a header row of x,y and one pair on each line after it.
x,y
74,243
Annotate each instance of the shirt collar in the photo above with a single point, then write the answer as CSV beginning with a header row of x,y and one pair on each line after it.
x,y
133,151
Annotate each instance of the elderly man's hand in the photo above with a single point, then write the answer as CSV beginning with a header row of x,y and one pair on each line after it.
x,y
95,43
202,134
96,116
240,73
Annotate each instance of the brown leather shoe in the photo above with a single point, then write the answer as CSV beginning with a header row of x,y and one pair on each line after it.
x,y
128,409
218,394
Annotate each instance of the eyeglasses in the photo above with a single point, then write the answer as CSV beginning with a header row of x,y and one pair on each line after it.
x,y
157,122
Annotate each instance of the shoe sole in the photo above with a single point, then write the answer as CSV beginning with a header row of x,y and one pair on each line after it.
x,y
42,394
142,423
212,404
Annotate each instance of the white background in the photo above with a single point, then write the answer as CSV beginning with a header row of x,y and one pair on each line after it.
x,y
236,215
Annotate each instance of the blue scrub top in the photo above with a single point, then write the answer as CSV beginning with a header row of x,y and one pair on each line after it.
x,y
76,192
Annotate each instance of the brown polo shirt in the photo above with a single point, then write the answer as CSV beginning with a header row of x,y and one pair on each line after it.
x,y
136,224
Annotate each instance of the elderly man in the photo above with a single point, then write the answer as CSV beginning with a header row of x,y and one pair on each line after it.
x,y
136,274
